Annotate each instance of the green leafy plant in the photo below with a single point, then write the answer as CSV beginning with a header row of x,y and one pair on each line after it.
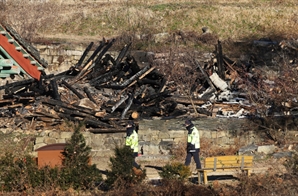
x,y
175,171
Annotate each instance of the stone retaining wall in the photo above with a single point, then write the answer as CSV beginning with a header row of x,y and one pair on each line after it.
x,y
158,137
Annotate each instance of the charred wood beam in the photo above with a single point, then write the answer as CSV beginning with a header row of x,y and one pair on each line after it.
x,y
84,55
82,72
133,64
123,69
55,93
67,106
103,78
21,94
132,80
129,103
87,120
38,91
148,81
119,103
95,122
154,96
98,58
15,90
162,85
18,83
219,57
205,75
40,85
134,77
95,53
88,93
122,54
73,89
107,130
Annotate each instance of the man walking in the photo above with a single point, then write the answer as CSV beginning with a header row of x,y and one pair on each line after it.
x,y
132,141
193,144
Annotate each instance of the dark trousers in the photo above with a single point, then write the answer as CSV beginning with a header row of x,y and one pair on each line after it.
x,y
195,156
135,154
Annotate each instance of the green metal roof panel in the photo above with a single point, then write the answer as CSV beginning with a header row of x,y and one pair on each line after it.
x,y
6,62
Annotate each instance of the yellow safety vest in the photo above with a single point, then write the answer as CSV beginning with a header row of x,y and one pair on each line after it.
x,y
194,137
133,141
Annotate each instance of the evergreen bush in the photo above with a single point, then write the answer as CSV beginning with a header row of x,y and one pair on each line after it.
x,y
22,173
121,173
175,171
18,173
77,171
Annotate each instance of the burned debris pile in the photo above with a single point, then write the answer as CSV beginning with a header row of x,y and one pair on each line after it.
x,y
104,91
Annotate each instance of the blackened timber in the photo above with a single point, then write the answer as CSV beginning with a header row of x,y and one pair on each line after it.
x,y
141,77
55,93
133,64
148,81
68,106
103,78
82,72
119,103
154,96
128,106
106,130
134,77
122,54
88,93
204,74
84,55
162,85
97,50
87,120
98,58
73,89
18,83
220,65
95,122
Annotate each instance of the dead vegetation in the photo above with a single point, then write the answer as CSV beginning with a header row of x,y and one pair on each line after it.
x,y
267,74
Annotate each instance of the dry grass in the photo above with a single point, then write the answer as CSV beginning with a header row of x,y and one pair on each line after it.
x,y
228,19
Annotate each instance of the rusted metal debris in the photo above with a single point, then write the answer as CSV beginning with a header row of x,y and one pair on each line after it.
x,y
104,92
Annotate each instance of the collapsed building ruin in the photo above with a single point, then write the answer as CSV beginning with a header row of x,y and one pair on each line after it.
x,y
104,91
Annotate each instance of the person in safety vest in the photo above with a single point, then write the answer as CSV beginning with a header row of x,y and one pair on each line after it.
x,y
193,144
132,141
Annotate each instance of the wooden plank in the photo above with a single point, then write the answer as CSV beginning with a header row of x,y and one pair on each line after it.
x,y
228,161
229,158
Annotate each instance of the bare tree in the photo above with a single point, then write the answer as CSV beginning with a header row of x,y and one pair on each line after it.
x,y
181,70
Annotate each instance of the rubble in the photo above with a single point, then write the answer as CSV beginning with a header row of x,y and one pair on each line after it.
x,y
105,91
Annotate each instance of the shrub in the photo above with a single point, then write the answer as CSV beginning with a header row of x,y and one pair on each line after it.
x,y
18,173
77,172
175,171
21,173
121,173
292,165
